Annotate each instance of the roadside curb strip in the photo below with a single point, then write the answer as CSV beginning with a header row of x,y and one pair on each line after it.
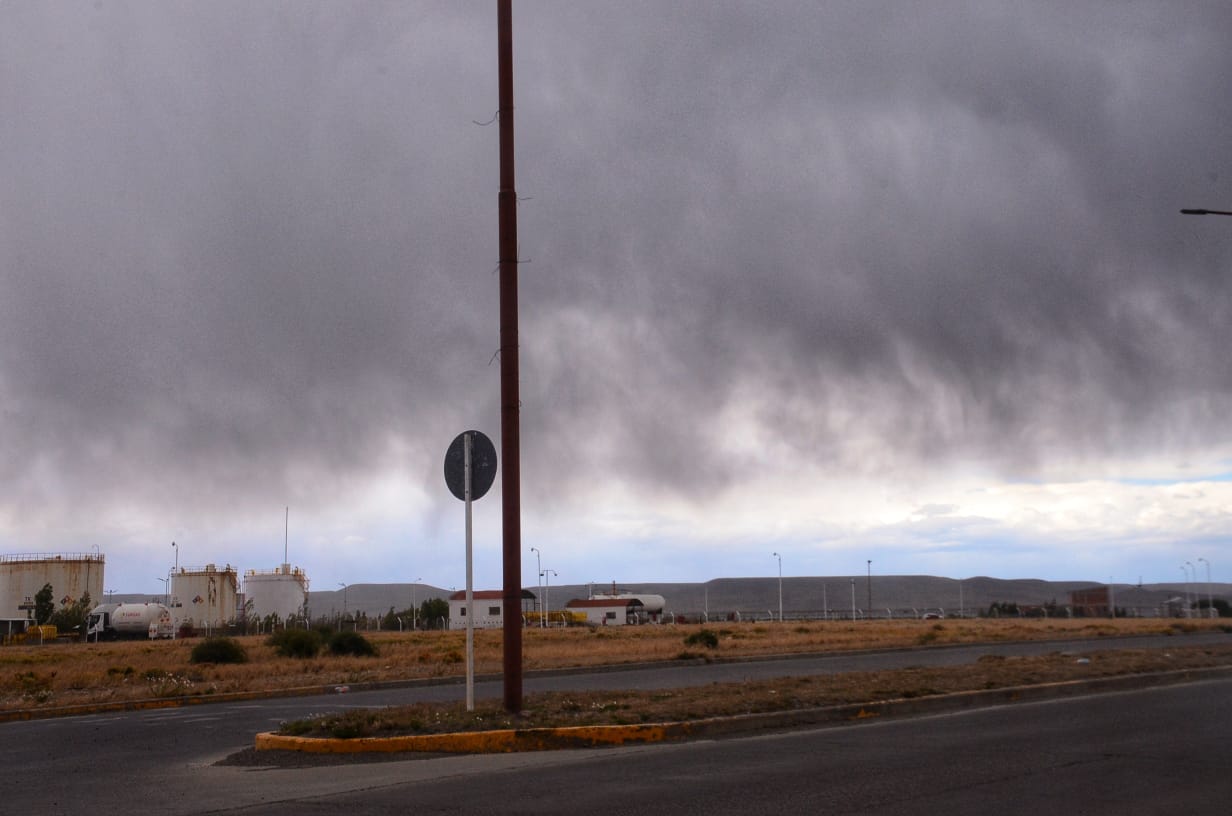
x,y
590,736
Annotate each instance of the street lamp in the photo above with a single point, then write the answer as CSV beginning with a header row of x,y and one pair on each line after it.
x,y
870,587
176,547
780,558
1210,599
1205,212
547,583
539,582
344,604
1193,571
166,591
414,612
1185,572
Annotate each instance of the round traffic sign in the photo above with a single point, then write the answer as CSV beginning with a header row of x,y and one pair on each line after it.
x,y
483,465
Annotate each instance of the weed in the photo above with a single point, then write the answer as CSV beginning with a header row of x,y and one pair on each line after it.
x,y
351,643
703,637
301,643
219,650
296,728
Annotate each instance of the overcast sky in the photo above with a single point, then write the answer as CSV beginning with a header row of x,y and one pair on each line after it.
x,y
842,281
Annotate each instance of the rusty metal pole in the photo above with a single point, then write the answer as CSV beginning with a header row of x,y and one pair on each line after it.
x,y
511,487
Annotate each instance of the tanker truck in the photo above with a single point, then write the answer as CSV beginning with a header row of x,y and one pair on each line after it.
x,y
130,620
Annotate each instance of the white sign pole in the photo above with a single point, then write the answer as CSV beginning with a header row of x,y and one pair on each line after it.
x,y
470,600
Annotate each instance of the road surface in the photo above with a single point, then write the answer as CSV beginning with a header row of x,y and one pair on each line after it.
x,y
162,761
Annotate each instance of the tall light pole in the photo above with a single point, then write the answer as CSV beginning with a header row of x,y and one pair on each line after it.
x,y
1210,599
780,558
1193,586
166,591
547,582
539,582
176,547
853,599
1205,212
870,587
414,611
344,604
1185,572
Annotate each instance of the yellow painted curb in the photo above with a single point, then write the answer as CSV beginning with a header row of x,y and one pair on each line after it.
x,y
501,741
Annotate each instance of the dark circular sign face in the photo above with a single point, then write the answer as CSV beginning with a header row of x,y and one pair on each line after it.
x,y
483,465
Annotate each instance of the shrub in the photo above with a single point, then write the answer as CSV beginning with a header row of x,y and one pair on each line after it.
x,y
218,650
703,637
302,643
351,643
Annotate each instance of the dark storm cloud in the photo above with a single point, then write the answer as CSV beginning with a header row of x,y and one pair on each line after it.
x,y
248,247
965,220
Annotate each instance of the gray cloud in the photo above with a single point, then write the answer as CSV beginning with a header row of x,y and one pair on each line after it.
x,y
247,249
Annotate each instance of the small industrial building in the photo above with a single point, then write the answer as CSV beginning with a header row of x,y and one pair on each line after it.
x,y
607,611
488,609
650,610
1092,602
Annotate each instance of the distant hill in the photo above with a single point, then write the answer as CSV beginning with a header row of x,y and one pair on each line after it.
x,y
802,596
757,598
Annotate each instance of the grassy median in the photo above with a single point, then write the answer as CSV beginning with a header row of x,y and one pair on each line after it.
x,y
569,709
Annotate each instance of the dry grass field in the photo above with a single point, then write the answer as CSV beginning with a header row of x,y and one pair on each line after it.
x,y
64,674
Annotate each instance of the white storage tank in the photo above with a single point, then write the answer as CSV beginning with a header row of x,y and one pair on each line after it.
x,y
204,597
71,576
282,592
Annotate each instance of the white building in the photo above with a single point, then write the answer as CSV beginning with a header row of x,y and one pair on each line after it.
x,y
607,611
488,608
650,607
488,611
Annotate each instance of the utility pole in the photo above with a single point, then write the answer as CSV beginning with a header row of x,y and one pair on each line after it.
x,y
511,486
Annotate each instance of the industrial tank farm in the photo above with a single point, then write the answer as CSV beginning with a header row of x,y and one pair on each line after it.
x,y
71,575
204,598
282,592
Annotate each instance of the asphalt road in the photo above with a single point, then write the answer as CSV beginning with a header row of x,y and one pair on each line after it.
x,y
162,761
1146,752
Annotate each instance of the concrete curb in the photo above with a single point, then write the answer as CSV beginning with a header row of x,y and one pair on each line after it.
x,y
546,739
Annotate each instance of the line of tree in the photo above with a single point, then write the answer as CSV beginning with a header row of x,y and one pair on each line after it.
x,y
431,614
